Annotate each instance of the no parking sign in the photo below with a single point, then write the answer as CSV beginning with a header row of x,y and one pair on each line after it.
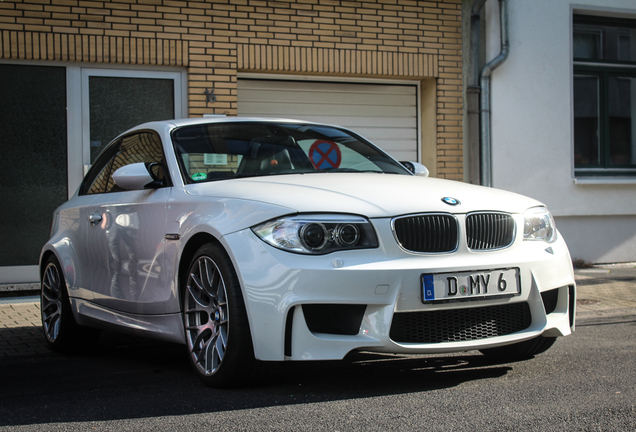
x,y
325,154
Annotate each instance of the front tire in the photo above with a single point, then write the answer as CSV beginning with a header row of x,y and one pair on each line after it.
x,y
215,321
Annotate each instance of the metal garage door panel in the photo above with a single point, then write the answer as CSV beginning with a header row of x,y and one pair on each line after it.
x,y
311,108
349,98
360,122
385,114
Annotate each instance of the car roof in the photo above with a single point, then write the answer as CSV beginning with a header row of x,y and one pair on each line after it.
x,y
217,119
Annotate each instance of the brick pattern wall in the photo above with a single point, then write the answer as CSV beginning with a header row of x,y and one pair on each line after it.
x,y
215,39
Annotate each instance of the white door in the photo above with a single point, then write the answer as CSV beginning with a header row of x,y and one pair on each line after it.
x,y
125,231
385,114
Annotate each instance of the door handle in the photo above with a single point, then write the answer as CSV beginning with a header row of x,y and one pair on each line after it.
x,y
95,218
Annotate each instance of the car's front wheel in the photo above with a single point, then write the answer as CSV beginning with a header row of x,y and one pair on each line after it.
x,y
522,350
216,326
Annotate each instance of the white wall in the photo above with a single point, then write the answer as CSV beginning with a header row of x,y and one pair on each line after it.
x,y
532,127
607,245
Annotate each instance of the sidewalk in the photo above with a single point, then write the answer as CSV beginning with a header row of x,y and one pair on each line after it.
x,y
606,290
603,291
20,327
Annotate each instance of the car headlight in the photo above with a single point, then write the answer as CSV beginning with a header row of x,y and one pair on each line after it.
x,y
318,234
539,225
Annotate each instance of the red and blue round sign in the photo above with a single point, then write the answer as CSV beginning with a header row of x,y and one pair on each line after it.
x,y
325,155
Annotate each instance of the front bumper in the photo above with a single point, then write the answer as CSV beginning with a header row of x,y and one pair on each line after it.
x,y
322,307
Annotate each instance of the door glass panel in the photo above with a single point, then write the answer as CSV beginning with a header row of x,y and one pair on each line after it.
x,y
622,120
33,166
117,104
586,121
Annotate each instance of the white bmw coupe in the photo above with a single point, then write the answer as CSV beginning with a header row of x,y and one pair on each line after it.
x,y
252,240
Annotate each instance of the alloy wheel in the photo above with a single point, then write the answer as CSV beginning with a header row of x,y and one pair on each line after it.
x,y
51,302
206,316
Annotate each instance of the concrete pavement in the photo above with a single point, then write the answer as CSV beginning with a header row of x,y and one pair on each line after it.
x,y
603,291
606,290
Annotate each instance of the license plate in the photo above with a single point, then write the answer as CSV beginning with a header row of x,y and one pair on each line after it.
x,y
472,285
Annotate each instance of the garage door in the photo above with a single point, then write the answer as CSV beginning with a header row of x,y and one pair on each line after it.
x,y
384,114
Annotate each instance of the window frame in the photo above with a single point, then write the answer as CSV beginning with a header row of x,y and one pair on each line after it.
x,y
604,70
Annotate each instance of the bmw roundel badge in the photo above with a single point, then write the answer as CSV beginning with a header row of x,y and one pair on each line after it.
x,y
451,201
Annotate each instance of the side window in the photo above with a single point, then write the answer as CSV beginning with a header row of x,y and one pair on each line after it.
x,y
96,179
100,182
134,148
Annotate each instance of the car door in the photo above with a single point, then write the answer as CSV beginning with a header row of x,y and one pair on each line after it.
x,y
125,233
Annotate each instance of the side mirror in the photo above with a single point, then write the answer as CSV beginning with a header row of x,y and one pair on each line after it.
x,y
416,168
137,176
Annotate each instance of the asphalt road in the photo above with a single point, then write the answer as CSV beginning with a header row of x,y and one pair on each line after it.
x,y
584,382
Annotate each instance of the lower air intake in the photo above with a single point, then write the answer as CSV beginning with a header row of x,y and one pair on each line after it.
x,y
459,325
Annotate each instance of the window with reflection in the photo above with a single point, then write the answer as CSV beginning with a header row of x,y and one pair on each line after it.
x,y
137,147
604,90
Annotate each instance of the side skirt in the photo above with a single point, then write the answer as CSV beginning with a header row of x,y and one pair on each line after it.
x,y
167,327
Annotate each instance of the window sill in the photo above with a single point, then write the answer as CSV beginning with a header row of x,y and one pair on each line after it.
x,y
605,180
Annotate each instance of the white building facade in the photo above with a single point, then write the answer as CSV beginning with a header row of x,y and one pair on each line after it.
x,y
563,117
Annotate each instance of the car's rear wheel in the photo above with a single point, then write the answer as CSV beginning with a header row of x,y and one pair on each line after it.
x,y
522,350
62,333
215,321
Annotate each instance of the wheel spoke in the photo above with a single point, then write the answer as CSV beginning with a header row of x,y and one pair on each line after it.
x,y
204,283
52,325
48,297
216,285
195,293
203,357
52,278
211,278
218,352
51,312
219,290
221,343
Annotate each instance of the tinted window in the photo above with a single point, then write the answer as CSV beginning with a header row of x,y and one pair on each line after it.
x,y
138,147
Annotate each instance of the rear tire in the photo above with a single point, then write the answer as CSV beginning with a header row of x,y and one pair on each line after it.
x,y
522,350
62,333
215,320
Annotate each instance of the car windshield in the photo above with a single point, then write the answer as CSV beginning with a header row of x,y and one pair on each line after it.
x,y
228,150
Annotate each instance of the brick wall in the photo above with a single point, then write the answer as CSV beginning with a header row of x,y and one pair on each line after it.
x,y
398,39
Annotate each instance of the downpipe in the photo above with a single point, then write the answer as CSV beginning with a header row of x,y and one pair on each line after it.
x,y
472,95
486,72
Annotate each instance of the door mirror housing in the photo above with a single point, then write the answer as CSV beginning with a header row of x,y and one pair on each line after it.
x,y
137,176
416,168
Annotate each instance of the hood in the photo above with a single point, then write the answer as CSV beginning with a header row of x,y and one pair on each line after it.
x,y
371,195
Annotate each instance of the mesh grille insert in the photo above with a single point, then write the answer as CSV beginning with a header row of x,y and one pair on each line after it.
x,y
458,325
